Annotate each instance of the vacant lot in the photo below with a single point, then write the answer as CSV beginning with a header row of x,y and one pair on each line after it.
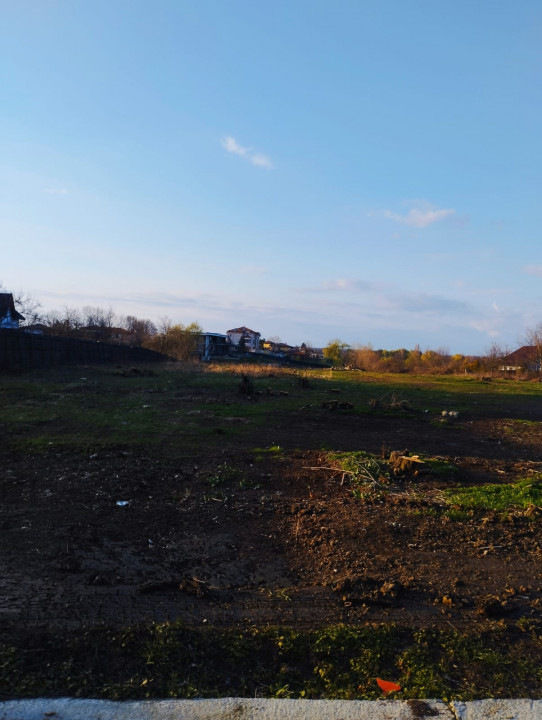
x,y
163,533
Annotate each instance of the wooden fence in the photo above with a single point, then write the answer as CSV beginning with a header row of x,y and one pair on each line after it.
x,y
20,350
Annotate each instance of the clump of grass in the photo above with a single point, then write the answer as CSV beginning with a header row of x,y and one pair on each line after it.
x,y
371,476
390,402
224,473
270,450
500,498
368,476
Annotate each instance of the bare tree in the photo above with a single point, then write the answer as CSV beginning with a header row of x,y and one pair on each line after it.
x,y
98,317
67,323
494,357
140,330
26,304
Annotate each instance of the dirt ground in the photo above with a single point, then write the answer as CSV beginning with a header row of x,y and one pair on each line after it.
x,y
118,536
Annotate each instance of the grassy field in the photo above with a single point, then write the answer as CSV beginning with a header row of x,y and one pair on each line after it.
x,y
175,415
68,409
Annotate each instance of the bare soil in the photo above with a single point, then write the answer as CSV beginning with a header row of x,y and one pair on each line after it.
x,y
120,536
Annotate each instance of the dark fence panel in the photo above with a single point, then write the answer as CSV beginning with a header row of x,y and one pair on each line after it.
x,y
22,351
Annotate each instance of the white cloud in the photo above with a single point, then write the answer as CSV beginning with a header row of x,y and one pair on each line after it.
x,y
533,270
419,218
231,145
56,191
261,161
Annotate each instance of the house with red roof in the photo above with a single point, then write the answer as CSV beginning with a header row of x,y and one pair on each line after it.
x,y
524,359
246,337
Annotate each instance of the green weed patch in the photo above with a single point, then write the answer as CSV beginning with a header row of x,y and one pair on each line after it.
x,y
372,476
172,660
498,497
367,474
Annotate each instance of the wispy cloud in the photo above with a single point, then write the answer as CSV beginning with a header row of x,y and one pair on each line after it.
x,y
56,191
341,285
252,270
419,217
261,161
429,303
231,145
387,301
533,270
348,284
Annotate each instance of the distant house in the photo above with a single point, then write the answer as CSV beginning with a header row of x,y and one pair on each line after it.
x,y
210,345
276,347
524,359
9,317
36,329
305,353
246,336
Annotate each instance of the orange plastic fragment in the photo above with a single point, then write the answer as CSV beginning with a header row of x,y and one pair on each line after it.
x,y
386,686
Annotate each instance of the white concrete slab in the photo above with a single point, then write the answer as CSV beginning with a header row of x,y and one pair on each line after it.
x,y
224,709
523,709
260,709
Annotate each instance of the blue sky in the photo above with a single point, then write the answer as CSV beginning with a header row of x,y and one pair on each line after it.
x,y
370,171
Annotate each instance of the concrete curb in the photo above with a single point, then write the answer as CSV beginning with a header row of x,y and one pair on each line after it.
x,y
523,709
249,709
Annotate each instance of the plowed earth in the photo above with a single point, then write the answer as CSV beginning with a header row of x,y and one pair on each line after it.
x,y
281,540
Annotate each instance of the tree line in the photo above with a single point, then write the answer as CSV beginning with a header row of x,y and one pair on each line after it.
x,y
440,361
180,341
104,325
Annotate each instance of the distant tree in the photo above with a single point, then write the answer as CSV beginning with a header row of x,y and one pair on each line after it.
x,y
363,357
494,358
140,330
335,350
98,322
66,323
178,341
437,361
414,360
25,304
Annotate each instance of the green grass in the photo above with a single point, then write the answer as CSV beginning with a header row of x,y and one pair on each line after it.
x,y
99,407
172,660
500,497
370,475
440,469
